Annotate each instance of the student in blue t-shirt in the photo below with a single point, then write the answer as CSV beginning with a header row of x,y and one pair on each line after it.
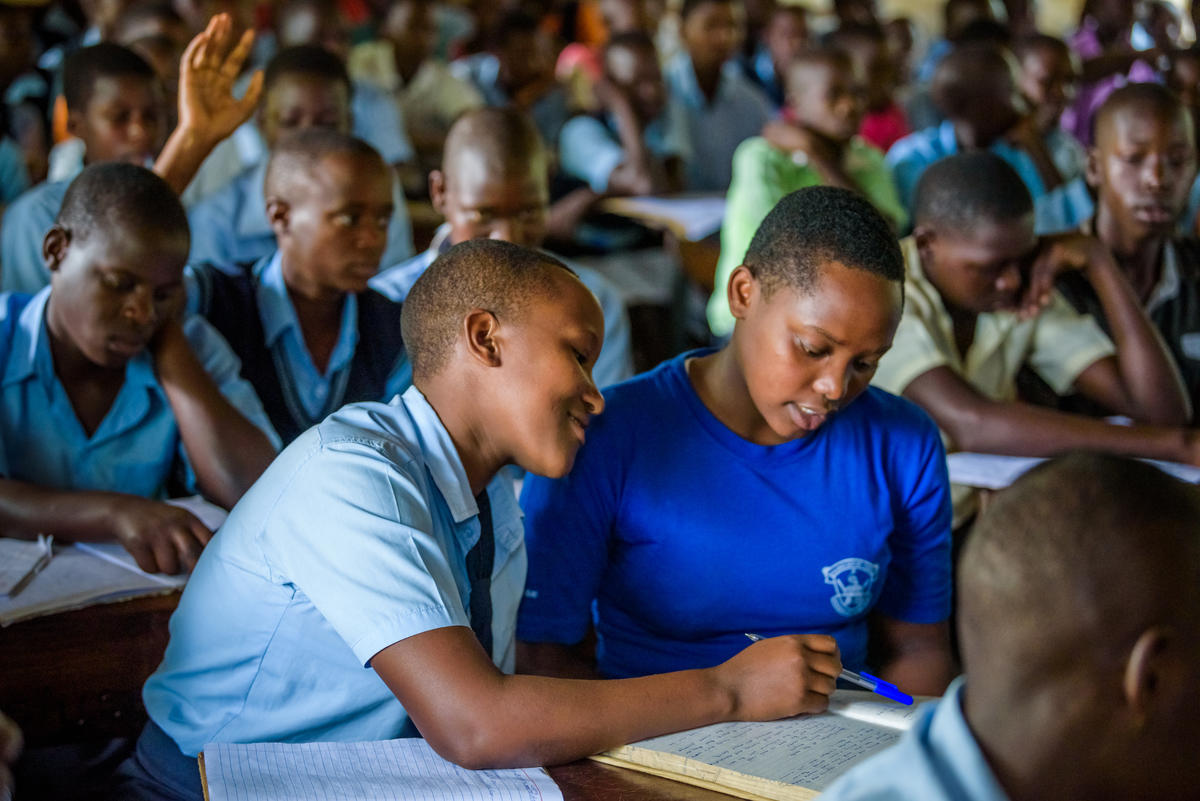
x,y
761,488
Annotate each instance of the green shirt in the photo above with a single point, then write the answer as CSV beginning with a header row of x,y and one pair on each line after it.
x,y
762,175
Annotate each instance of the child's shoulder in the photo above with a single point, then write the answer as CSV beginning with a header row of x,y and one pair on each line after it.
x,y
900,417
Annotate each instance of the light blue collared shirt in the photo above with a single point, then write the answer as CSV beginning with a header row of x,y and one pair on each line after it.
x,y
615,363
549,113
25,225
714,130
937,760
1064,208
912,155
354,538
590,149
230,226
13,178
136,446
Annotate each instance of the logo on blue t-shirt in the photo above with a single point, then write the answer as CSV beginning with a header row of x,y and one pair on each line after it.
x,y
851,579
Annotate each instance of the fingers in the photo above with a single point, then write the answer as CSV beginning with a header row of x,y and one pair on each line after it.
x,y
241,52
142,554
166,559
249,101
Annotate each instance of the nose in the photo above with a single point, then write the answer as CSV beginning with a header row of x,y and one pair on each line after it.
x,y
593,399
372,236
139,130
139,307
832,383
1154,173
1009,279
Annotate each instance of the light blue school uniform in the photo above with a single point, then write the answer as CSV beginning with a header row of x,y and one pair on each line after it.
x,y
353,539
230,226
549,113
912,155
738,111
13,177
615,363
136,447
1064,208
937,760
589,148
21,233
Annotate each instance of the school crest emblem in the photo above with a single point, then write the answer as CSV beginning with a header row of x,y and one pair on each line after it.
x,y
852,579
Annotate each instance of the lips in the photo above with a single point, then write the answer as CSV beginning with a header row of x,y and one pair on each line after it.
x,y
579,424
1154,213
126,346
807,418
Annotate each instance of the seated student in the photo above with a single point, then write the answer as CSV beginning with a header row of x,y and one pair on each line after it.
x,y
579,65
975,87
1046,77
1078,610
634,146
721,107
519,71
980,304
883,121
784,37
818,146
385,539
494,184
107,396
847,484
304,87
310,334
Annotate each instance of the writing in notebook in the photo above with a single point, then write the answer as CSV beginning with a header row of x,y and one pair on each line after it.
x,y
396,770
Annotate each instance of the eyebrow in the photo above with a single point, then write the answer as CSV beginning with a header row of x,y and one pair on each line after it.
x,y
828,335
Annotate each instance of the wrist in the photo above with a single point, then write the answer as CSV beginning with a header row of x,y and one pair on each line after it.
x,y
722,689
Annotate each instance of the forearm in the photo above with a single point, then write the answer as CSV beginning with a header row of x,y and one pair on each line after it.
x,y
27,510
182,156
566,213
555,660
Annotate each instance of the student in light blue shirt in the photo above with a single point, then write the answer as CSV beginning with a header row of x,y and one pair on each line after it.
x,y
1079,622
304,87
13,178
108,400
366,587
494,184
721,106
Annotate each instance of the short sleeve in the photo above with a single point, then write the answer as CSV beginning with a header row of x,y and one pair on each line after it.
x,y
915,351
354,532
25,224
1065,344
588,151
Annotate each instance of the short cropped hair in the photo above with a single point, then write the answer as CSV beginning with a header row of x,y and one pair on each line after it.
x,y
116,194
1040,41
1149,98
301,151
105,60
504,138
814,226
959,76
963,190
306,60
690,6
477,274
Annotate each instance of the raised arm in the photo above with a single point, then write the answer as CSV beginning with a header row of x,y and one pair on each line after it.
x,y
478,717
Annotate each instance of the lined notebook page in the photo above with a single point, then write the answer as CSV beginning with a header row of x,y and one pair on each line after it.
x,y
388,770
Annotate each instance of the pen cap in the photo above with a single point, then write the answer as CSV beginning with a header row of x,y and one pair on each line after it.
x,y
888,690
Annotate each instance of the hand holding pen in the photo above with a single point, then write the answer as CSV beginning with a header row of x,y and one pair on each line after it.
x,y
864,680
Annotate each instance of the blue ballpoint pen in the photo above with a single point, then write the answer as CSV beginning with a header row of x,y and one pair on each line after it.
x,y
864,680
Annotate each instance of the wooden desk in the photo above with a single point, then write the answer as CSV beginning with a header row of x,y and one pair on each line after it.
x,y
77,676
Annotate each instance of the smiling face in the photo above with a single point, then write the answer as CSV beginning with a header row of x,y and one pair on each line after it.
x,y
112,289
122,121
805,354
982,270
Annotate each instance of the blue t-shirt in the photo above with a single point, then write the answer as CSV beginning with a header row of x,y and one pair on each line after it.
x,y
687,536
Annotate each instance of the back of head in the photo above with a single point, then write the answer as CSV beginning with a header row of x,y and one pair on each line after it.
x,y
105,60
965,190
817,225
970,74
308,61
115,196
502,141
297,155
1150,100
477,274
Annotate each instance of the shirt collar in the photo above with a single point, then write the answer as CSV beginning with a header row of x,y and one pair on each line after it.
x,y
441,239
441,457
951,738
279,315
1168,284
252,211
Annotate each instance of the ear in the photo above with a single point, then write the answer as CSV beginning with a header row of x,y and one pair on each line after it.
x,y
924,237
1144,672
481,333
75,123
741,291
437,191
278,215
54,246
1091,171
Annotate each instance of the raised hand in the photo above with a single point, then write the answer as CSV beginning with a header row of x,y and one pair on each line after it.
x,y
209,68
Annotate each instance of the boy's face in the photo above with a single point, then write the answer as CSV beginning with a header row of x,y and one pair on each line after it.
x,y
479,203
825,99
298,102
1047,79
1142,168
805,354
332,229
786,35
996,108
635,71
981,270
550,394
112,289
711,34
122,120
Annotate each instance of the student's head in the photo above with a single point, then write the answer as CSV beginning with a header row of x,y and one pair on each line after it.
x,y
410,27
631,64
626,16
1183,77
1143,160
103,14
147,19
312,22
1046,77
973,226
855,12
817,300
958,14
116,254
866,46
975,86
786,34
516,330
710,31
493,183
304,87
523,51
329,201
1079,620
114,104
823,93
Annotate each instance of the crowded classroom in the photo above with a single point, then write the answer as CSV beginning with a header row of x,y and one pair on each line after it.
x,y
376,371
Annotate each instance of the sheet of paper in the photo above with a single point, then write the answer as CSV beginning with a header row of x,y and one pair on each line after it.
x,y
870,708
396,770
810,751
693,217
209,513
19,558
989,471
115,554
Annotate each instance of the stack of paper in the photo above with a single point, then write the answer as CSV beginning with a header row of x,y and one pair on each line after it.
x,y
20,560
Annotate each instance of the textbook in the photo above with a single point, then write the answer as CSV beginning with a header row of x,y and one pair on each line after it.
x,y
782,760
690,217
391,770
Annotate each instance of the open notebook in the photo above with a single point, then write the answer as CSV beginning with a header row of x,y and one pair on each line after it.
x,y
782,760
989,471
